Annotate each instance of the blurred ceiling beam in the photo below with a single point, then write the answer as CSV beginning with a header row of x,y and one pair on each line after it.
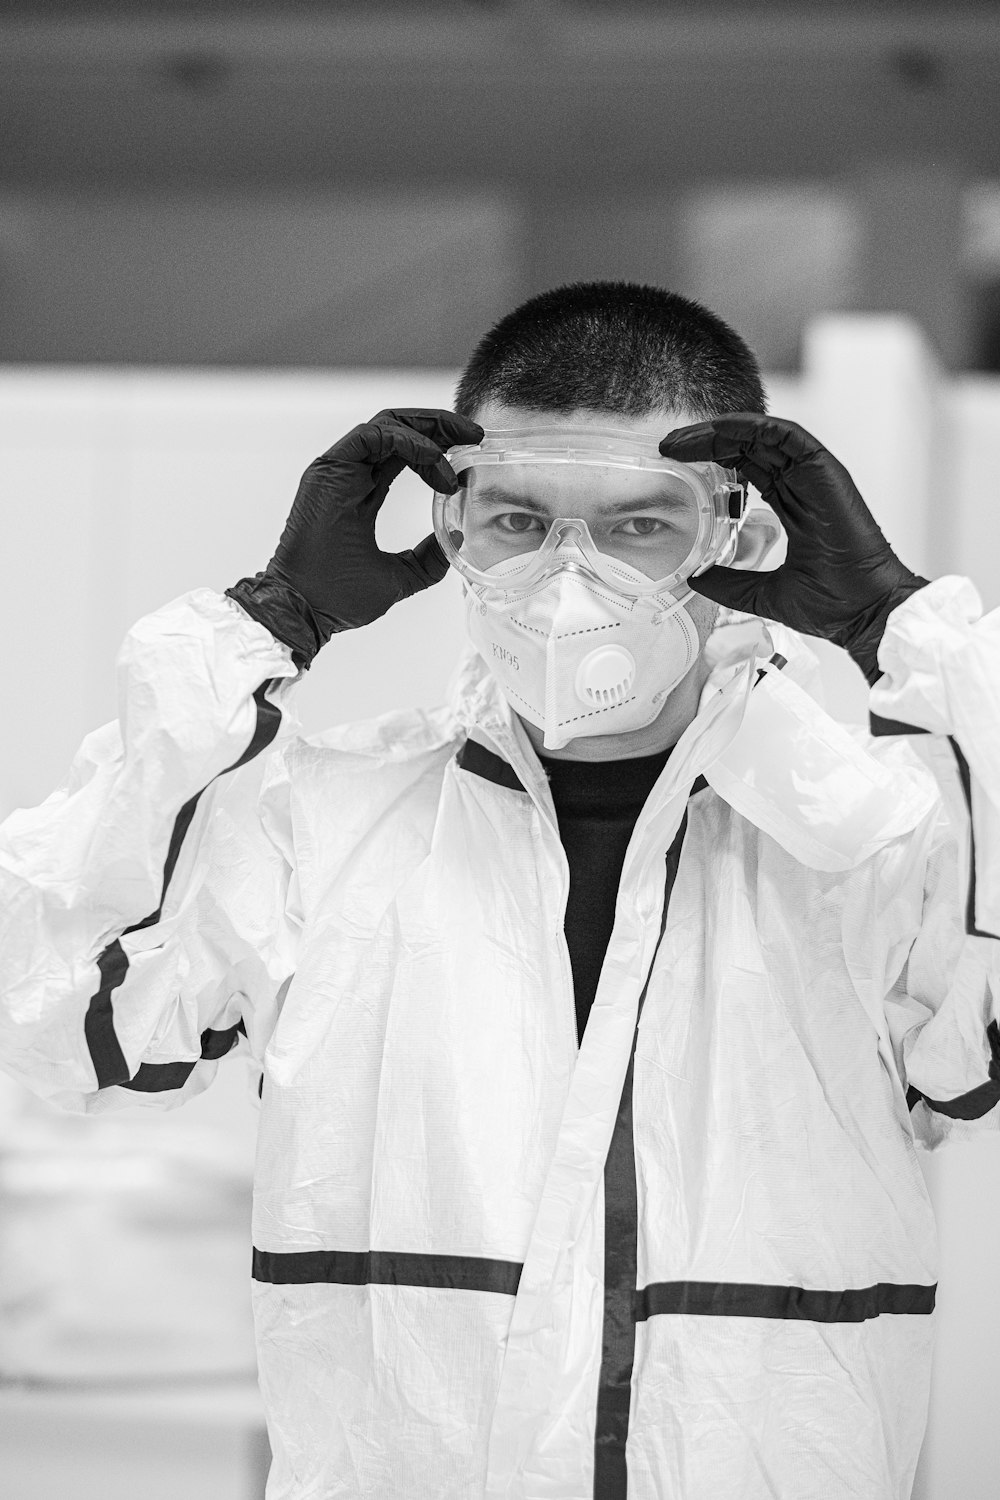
x,y
538,99
508,34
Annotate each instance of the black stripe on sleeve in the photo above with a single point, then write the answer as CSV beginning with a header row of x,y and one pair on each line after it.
x,y
614,1392
965,776
879,727
727,1299
106,1054
978,1101
386,1268
482,762
156,1078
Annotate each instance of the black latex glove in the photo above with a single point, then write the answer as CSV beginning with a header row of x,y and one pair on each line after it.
x,y
328,572
840,579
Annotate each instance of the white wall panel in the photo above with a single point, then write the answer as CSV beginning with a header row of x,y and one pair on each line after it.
x,y
123,490
966,505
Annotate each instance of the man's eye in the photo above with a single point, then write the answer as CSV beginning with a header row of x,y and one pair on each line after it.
x,y
648,525
510,521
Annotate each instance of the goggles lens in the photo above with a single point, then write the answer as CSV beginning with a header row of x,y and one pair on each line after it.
x,y
651,522
531,502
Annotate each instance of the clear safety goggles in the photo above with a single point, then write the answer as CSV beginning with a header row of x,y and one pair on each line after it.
x,y
534,501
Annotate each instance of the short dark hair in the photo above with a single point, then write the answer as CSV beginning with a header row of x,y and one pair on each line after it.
x,y
612,346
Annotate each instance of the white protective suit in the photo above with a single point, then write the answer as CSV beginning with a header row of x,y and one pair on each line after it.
x,y
693,1259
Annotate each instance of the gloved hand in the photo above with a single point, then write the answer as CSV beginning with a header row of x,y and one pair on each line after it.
x,y
328,572
840,579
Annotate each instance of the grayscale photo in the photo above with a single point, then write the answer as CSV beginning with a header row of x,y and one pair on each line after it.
x,y
500,771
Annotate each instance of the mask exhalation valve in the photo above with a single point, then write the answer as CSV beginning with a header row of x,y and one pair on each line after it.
x,y
605,676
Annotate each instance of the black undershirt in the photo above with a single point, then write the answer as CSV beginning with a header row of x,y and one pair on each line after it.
x,y
597,804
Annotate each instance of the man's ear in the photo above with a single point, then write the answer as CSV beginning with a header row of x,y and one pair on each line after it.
x,y
760,533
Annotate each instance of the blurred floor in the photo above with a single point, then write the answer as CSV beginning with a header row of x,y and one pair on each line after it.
x,y
199,1443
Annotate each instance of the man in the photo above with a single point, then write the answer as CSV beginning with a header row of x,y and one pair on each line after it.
x,y
594,1055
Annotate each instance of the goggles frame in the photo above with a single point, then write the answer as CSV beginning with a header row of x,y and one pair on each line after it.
x,y
718,494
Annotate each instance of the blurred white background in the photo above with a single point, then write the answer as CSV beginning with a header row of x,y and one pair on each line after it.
x,y
230,231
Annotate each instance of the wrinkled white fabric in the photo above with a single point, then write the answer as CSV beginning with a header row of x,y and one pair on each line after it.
x,y
388,924
941,675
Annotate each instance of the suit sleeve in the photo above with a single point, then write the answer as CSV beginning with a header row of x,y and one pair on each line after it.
x,y
147,921
940,658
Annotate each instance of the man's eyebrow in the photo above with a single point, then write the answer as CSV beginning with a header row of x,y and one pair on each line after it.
x,y
524,502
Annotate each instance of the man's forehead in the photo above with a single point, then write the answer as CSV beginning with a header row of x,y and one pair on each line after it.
x,y
495,415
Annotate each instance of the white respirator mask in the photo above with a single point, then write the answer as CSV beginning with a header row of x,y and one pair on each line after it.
x,y
581,618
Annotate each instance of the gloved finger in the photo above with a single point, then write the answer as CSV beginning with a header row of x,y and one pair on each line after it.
x,y
698,443
386,448
727,441
797,516
378,444
773,454
770,441
445,428
733,588
420,566
440,476
702,442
